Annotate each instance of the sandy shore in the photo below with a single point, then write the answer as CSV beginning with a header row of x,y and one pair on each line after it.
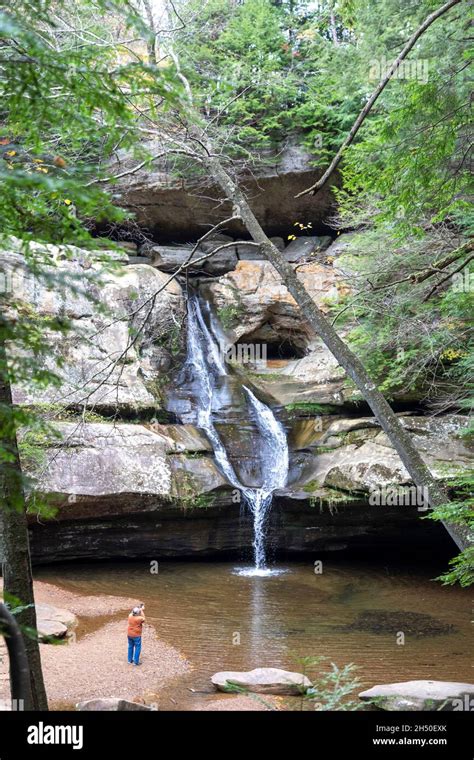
x,y
95,665
243,702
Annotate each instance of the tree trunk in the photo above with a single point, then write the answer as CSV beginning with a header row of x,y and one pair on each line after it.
x,y
19,670
16,567
398,436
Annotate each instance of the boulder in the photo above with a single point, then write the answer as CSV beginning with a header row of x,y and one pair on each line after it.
x,y
139,260
112,704
263,681
53,622
246,252
421,696
324,242
278,242
302,248
170,258
127,245
48,629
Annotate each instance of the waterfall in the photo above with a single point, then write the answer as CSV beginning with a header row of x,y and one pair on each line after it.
x,y
205,364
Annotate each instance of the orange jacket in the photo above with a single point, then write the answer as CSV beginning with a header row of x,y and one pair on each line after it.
x,y
135,624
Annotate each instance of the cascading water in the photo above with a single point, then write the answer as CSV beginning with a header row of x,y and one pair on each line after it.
x,y
205,363
274,472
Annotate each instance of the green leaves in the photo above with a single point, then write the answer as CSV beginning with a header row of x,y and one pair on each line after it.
x,y
67,91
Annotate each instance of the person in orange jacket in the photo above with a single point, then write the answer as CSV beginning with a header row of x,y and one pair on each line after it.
x,y
134,633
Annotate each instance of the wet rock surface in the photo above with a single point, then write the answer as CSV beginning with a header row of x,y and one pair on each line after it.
x,y
262,681
421,696
124,490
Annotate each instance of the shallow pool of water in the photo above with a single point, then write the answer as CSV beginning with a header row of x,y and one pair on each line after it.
x,y
221,618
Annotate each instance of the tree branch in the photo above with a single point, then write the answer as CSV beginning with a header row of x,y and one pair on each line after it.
x,y
448,276
377,92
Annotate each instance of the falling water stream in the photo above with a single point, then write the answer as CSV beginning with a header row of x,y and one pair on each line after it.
x,y
205,364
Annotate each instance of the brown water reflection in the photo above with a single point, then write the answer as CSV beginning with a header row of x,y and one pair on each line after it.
x,y
205,609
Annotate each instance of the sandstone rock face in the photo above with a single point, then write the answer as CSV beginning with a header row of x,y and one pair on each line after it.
x,y
92,461
141,488
97,459
103,364
119,527
169,258
263,311
421,696
254,307
131,490
256,290
111,704
172,207
355,455
263,681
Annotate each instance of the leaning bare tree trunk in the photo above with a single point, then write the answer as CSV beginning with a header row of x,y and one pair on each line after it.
x,y
398,436
16,568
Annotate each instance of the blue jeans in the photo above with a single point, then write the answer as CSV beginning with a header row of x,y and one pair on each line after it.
x,y
134,648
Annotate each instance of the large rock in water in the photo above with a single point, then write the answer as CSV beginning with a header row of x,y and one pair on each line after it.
x,y
174,208
421,696
263,681
103,362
